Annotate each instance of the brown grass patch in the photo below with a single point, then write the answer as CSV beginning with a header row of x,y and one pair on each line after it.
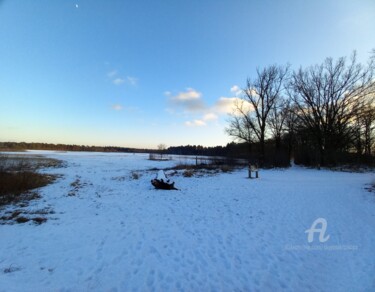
x,y
19,178
188,173
16,186
21,216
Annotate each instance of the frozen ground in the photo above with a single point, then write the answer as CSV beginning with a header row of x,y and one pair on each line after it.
x,y
111,232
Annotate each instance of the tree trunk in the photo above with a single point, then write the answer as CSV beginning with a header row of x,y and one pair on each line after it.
x,y
322,156
262,151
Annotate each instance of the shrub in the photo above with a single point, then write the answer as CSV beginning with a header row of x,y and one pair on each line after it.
x,y
39,220
22,220
135,175
188,173
226,168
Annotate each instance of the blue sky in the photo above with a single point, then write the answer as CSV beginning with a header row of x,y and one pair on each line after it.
x,y
139,73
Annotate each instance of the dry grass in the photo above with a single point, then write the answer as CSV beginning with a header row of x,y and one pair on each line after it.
x,y
19,183
76,186
19,176
20,216
13,162
188,173
16,186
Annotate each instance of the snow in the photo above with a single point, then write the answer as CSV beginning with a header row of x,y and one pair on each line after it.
x,y
219,232
161,176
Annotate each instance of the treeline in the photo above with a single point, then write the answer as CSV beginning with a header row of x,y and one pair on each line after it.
x,y
238,150
197,150
21,146
319,115
230,150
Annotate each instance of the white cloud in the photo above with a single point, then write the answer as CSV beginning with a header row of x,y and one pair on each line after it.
x,y
210,117
189,94
236,90
192,103
190,100
195,123
252,92
225,105
117,107
118,81
228,105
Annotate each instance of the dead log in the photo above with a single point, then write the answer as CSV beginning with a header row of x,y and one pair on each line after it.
x,y
160,184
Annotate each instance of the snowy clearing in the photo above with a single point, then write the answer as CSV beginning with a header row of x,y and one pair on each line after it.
x,y
112,231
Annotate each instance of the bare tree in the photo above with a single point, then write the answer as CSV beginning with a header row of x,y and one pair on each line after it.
x,y
162,148
239,124
369,129
328,97
278,118
364,128
249,123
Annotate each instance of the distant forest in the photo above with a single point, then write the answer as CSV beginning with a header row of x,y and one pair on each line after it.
x,y
22,146
228,150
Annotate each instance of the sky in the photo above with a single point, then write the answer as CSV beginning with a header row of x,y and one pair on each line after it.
x,y
139,73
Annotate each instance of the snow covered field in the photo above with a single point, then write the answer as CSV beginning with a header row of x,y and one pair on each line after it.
x,y
112,232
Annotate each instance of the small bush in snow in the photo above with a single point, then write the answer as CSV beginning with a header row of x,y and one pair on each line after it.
x,y
188,173
135,175
226,168
11,269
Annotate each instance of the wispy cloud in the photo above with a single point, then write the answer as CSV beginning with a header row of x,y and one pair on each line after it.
x,y
118,81
112,73
170,110
117,107
195,123
128,109
132,80
236,90
210,117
